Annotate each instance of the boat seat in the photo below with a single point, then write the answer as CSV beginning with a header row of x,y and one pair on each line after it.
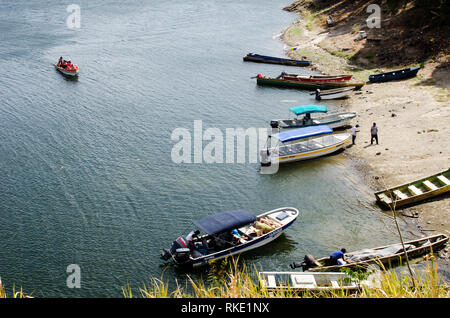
x,y
444,180
414,190
335,284
305,280
429,185
385,198
400,195
271,281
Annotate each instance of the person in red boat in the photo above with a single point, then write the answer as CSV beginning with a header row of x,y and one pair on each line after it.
x,y
69,65
60,61
64,64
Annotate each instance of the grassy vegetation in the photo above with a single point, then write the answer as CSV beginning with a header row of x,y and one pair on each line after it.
x,y
18,294
241,282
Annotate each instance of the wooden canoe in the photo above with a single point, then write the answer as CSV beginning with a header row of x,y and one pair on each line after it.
x,y
415,191
389,255
305,85
316,78
252,57
394,75
363,258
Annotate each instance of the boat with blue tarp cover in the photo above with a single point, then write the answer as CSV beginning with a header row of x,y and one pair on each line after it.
x,y
228,233
301,144
335,120
252,57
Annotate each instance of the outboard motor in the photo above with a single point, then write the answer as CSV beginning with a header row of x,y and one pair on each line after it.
x,y
274,123
308,262
318,94
265,158
179,251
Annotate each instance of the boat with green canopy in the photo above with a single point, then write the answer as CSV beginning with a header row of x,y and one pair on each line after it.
x,y
301,144
334,120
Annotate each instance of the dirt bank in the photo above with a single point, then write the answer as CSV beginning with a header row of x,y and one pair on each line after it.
x,y
412,115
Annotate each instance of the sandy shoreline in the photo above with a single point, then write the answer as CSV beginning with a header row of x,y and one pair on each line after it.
x,y
413,118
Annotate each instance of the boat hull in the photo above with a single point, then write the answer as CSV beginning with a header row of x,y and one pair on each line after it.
x,y
65,72
414,192
333,94
436,243
333,120
305,85
252,244
339,141
307,282
317,79
274,60
395,75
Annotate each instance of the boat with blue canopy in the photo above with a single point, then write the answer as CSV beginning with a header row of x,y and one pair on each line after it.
x,y
228,233
334,120
301,144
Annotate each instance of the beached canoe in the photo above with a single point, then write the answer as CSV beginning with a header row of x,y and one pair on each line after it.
x,y
252,57
336,93
72,72
389,255
336,120
315,78
299,282
415,191
268,81
394,75
229,233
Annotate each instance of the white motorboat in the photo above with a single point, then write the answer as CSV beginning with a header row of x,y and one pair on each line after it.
x,y
303,143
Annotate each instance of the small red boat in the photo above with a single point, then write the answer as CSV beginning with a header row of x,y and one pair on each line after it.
x,y
315,78
69,72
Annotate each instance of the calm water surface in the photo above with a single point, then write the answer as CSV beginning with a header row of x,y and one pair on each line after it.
x,y
86,175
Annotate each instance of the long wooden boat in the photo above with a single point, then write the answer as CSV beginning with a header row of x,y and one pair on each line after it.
x,y
262,80
394,75
252,57
229,233
336,93
315,78
415,191
309,281
388,255
72,72
336,120
315,141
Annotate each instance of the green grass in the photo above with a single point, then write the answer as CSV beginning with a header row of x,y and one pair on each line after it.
x,y
18,294
238,281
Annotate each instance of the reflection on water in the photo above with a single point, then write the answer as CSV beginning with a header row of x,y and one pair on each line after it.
x,y
86,171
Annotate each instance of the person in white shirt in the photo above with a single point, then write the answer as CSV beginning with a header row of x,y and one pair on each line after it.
x,y
354,131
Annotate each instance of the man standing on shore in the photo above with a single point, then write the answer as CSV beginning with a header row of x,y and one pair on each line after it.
x,y
354,131
374,133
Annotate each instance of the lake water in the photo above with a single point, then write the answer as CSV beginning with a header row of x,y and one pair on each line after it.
x,y
86,174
